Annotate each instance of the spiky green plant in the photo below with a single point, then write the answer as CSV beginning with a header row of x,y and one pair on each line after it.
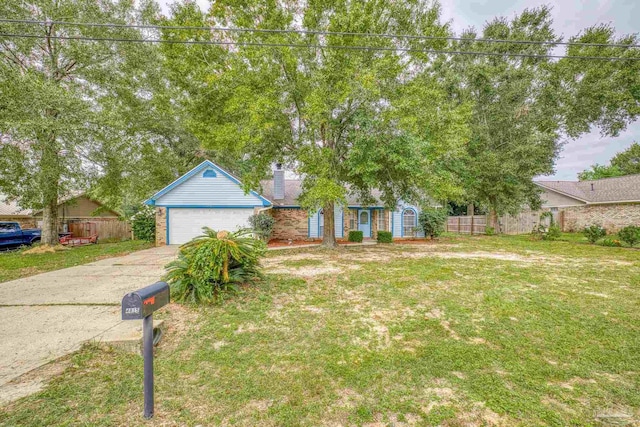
x,y
212,263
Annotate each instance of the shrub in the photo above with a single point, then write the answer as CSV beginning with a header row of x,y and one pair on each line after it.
x,y
611,242
432,221
213,263
630,235
594,232
262,224
552,233
541,231
385,237
143,224
489,231
355,236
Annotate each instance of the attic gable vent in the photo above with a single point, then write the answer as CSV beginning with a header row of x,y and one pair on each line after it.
x,y
209,173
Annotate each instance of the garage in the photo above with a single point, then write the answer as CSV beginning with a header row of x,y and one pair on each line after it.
x,y
206,196
187,223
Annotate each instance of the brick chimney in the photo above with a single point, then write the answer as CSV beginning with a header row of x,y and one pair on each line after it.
x,y
278,182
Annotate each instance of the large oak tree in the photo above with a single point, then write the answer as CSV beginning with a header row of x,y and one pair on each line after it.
x,y
96,116
347,120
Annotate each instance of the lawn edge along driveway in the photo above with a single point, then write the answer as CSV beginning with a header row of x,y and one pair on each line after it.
x,y
16,265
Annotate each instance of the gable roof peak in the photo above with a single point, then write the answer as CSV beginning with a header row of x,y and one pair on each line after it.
x,y
185,177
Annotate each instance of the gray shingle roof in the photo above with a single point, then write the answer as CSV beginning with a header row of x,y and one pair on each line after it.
x,y
607,190
293,189
8,208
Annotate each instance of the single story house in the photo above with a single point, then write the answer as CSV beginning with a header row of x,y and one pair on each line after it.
x,y
208,196
72,211
612,203
11,211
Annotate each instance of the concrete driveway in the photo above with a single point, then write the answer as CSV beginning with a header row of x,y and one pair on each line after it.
x,y
47,316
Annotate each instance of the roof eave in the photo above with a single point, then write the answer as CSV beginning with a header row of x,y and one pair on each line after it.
x,y
560,192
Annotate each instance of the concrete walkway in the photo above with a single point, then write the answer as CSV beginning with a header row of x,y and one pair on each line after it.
x,y
47,316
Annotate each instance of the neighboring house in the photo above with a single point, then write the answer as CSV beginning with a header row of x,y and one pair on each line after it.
x,y
71,210
10,211
78,209
208,196
610,202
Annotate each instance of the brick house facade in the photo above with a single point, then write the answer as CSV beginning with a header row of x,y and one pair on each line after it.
x,y
161,226
612,203
291,224
612,217
208,196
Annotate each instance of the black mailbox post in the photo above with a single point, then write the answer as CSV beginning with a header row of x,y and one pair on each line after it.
x,y
140,305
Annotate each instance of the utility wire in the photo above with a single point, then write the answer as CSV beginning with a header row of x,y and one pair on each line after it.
x,y
319,46
316,32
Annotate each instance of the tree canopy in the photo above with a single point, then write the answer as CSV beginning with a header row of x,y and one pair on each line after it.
x,y
64,103
514,125
346,120
347,111
600,171
626,162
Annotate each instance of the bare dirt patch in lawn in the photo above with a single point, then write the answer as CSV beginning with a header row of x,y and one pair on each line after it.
x,y
33,381
314,263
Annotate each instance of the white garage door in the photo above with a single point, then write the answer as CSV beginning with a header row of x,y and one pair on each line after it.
x,y
187,223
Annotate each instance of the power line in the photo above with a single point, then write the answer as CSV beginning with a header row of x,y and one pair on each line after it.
x,y
317,32
321,46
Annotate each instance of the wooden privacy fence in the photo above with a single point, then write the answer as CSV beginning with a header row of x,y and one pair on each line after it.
x,y
522,223
475,224
112,229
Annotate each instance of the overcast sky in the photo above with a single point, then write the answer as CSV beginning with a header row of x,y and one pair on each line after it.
x,y
569,16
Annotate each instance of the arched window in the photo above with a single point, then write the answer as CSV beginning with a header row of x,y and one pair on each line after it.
x,y
409,222
364,217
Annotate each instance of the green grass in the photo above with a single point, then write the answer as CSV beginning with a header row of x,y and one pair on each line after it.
x,y
466,331
15,264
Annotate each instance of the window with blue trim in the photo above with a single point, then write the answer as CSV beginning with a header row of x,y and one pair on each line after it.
x,y
209,173
409,223
352,220
382,223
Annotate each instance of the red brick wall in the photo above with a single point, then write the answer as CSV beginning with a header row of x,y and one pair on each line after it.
x,y
290,224
611,217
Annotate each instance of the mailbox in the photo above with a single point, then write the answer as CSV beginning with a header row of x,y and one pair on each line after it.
x,y
143,302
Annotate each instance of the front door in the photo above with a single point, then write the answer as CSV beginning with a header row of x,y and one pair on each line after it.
x,y
364,223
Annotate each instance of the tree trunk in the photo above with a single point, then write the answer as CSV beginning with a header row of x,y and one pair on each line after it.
x,y
329,234
493,221
50,223
49,182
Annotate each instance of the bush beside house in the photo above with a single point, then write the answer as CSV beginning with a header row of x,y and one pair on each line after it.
x,y
143,224
385,237
262,225
355,236
432,222
630,235
594,232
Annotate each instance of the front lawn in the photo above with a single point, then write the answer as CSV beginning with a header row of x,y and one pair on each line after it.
x,y
15,264
468,331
